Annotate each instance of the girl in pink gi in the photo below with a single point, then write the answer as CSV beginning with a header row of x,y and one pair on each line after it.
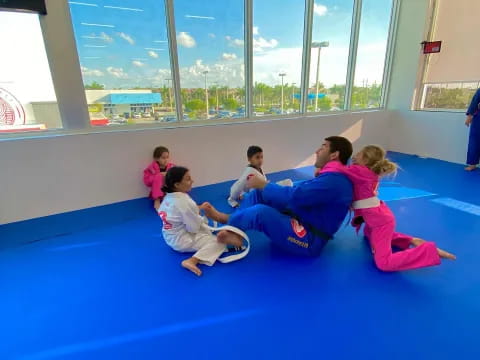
x,y
154,174
369,165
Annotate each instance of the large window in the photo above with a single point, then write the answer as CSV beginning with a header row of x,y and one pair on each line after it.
x,y
210,44
452,76
141,67
277,56
27,96
124,58
372,47
332,21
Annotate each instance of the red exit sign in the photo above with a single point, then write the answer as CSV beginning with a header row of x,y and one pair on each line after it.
x,y
431,47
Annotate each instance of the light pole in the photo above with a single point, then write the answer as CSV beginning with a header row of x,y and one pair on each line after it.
x,y
293,94
206,90
170,94
282,75
216,93
318,45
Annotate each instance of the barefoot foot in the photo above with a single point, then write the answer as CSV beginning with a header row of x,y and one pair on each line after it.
x,y
191,264
214,214
470,167
229,238
417,241
446,255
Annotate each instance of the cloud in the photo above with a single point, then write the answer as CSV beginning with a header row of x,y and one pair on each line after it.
x,y
102,36
320,9
152,54
226,73
106,37
213,36
160,76
138,63
255,30
91,72
260,44
267,66
333,65
117,72
127,38
234,42
227,56
186,40
200,17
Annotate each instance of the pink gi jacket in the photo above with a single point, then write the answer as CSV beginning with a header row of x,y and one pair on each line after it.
x,y
152,177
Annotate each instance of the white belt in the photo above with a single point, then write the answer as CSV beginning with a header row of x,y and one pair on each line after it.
x,y
245,249
366,203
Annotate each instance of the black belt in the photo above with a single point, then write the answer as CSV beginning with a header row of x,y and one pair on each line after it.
x,y
315,231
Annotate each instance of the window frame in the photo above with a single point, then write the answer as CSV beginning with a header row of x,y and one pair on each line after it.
x,y
62,54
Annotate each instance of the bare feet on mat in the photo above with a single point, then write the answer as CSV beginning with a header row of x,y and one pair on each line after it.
x,y
229,238
470,167
446,255
214,214
417,241
442,253
191,264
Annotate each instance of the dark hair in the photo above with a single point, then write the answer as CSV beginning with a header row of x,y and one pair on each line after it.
x,y
174,175
159,150
342,145
252,150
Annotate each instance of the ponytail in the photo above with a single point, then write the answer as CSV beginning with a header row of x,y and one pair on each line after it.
x,y
384,167
374,157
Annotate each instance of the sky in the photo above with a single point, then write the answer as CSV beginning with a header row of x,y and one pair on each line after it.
x,y
124,43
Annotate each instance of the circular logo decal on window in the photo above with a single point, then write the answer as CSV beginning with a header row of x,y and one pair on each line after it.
x,y
11,111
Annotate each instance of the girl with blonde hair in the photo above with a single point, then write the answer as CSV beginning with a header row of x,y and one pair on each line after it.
x,y
369,165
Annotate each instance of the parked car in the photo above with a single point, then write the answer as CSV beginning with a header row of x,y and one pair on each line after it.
x,y
137,116
117,119
98,119
170,118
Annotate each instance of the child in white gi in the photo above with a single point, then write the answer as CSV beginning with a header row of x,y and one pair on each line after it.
x,y
184,229
254,167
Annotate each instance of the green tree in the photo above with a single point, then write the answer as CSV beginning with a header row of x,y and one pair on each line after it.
x,y
94,86
230,104
195,105
324,104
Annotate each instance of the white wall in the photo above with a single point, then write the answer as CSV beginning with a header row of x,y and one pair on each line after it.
x,y
440,135
45,176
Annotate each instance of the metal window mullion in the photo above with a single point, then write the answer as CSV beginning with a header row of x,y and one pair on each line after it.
x,y
64,64
352,58
248,56
175,70
391,42
307,50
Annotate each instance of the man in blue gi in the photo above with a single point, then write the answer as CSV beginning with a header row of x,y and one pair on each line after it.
x,y
303,218
473,120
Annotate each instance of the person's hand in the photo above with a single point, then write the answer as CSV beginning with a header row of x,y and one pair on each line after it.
x,y
205,206
256,182
468,120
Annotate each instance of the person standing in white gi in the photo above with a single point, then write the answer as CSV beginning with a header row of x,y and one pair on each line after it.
x,y
184,229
